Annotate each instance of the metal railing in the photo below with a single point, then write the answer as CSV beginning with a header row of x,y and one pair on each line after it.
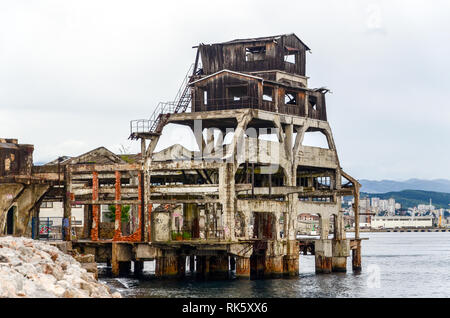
x,y
227,103
50,228
156,121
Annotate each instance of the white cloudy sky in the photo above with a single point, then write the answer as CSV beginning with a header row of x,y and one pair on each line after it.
x,y
74,73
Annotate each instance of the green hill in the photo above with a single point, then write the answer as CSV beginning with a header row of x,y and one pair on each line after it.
x,y
411,198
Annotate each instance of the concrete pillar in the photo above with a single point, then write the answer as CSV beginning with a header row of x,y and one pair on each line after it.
x,y
232,263
191,263
115,260
227,197
138,267
323,255
167,266
242,267
218,266
356,257
181,266
120,259
291,259
124,268
340,250
274,267
67,220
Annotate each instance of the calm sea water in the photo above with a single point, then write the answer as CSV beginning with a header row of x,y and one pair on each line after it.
x,y
394,265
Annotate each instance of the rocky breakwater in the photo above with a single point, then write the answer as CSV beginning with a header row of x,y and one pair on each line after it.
x,y
36,269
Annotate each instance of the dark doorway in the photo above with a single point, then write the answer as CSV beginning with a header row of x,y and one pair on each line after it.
x,y
10,222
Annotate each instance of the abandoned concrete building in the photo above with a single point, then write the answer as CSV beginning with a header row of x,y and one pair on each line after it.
x,y
228,206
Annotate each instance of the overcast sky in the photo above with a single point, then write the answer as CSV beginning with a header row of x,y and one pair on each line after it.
x,y
74,73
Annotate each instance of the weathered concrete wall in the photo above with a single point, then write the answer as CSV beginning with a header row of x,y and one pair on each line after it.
x,y
25,203
161,226
8,192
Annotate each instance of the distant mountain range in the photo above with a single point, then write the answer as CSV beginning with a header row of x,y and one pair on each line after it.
x,y
384,186
411,198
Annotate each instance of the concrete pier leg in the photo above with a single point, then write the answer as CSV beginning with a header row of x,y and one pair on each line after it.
x,y
114,260
341,250
291,260
138,267
202,267
232,263
324,257
181,260
167,266
291,265
192,263
218,266
257,266
124,268
356,257
243,267
273,267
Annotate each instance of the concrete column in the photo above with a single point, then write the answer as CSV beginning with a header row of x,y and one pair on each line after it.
x,y
291,259
167,266
227,197
120,258
232,263
356,257
124,268
242,267
191,263
274,266
181,266
115,260
218,266
138,267
323,255
341,250
67,221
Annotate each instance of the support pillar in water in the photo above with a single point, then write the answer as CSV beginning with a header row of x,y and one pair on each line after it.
x,y
324,256
356,257
341,250
243,267
170,266
232,263
291,259
138,267
191,263
218,266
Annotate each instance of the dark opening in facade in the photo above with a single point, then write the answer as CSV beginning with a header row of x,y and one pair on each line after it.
x,y
10,222
290,98
290,58
268,93
313,102
255,53
236,93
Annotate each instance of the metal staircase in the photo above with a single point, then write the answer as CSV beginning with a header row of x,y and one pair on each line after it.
x,y
154,125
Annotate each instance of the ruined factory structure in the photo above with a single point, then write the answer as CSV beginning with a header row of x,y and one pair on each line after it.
x,y
231,205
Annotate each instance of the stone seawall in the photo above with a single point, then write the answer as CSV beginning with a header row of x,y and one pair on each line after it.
x,y
35,269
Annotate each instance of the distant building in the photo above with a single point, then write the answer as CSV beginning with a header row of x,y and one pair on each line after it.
x,y
391,222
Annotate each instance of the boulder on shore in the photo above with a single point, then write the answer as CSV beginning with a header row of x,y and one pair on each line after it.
x,y
35,269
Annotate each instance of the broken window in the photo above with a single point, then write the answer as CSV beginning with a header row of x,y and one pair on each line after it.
x,y
290,58
236,93
290,98
268,93
313,102
255,53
